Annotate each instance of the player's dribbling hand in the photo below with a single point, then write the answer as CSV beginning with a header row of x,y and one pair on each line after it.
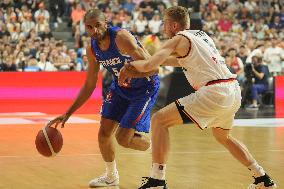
x,y
60,119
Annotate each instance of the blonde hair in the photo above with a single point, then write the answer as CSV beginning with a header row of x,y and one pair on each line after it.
x,y
179,14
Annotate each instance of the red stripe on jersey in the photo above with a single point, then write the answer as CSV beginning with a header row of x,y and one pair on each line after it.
x,y
220,81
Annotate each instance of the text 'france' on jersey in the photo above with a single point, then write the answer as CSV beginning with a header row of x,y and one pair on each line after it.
x,y
113,61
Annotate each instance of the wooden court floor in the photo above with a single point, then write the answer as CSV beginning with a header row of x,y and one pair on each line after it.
x,y
196,160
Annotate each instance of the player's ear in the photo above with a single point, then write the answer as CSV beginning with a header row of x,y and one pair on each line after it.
x,y
175,24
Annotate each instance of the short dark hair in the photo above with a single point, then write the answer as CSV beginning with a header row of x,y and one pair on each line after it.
x,y
179,14
94,14
232,49
258,58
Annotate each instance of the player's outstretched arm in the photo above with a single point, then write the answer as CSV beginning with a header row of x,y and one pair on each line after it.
x,y
160,57
85,92
172,61
127,44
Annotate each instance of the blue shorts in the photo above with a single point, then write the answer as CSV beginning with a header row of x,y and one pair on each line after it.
x,y
133,114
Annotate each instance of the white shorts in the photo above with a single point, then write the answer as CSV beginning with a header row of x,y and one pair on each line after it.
x,y
214,105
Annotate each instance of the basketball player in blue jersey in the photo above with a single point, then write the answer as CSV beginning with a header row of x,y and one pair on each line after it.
x,y
126,109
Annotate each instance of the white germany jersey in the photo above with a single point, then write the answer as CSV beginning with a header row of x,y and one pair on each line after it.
x,y
203,63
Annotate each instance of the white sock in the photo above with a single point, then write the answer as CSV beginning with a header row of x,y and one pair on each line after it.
x,y
111,168
158,171
256,170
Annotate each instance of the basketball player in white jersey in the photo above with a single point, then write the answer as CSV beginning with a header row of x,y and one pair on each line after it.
x,y
213,105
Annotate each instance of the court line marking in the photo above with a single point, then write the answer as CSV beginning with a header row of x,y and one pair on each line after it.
x,y
23,114
43,117
260,122
40,120
130,153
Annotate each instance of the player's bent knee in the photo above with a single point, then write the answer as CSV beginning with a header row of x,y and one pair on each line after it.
x,y
157,118
221,137
122,140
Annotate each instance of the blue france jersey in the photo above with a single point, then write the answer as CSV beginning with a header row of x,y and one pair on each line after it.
x,y
113,61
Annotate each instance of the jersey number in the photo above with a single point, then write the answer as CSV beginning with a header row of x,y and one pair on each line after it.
x,y
115,71
127,83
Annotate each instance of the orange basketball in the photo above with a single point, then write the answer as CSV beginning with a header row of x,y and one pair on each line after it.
x,y
49,141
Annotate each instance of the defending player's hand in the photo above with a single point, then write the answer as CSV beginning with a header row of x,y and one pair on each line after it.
x,y
125,74
60,119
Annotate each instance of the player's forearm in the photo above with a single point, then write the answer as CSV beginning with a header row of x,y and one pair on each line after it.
x,y
150,64
140,65
171,61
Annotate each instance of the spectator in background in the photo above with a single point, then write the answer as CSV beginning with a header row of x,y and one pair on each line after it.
x,y
109,14
250,5
32,66
57,11
77,15
45,65
137,11
155,25
258,51
228,63
82,50
42,13
128,23
84,65
27,23
243,53
235,6
13,26
21,61
115,6
259,86
225,23
8,64
5,4
102,5
143,5
276,24
274,56
140,26
236,64
128,6
148,12
76,61
41,25
243,15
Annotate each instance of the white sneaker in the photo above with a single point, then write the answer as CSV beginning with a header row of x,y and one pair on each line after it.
x,y
105,180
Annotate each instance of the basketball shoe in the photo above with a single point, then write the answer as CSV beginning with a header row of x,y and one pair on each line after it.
x,y
262,182
150,183
105,180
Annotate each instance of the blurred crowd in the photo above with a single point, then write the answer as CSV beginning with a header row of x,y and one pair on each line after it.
x,y
241,29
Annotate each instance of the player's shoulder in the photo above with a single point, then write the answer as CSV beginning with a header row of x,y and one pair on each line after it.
x,y
125,38
123,33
